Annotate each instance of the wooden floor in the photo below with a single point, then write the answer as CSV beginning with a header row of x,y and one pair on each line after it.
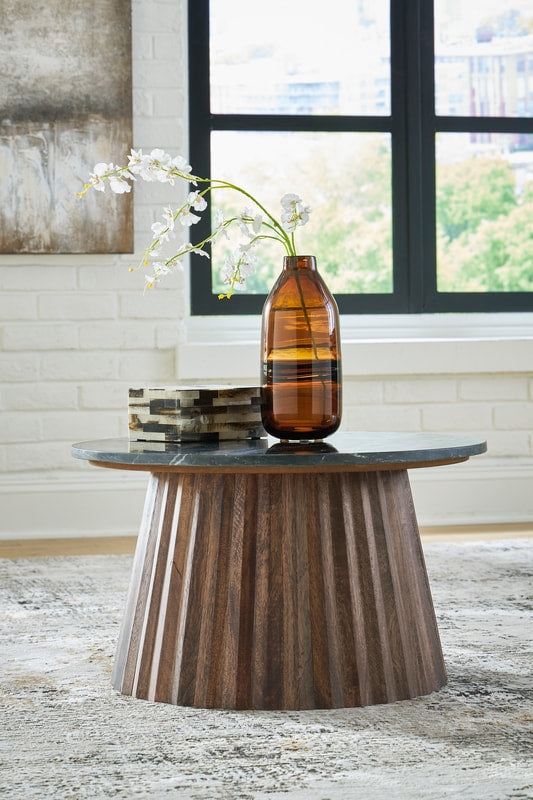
x,y
117,545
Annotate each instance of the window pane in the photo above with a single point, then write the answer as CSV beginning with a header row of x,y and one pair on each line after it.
x,y
484,212
344,177
300,57
484,58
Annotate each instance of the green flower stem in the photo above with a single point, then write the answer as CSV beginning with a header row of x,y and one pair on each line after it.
x,y
286,240
280,235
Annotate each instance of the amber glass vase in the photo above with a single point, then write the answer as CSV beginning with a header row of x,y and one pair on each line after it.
x,y
301,359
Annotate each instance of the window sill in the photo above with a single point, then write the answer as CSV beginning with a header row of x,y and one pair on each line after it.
x,y
375,326
228,348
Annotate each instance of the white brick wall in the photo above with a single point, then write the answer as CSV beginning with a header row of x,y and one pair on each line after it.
x,y
76,331
392,385
499,407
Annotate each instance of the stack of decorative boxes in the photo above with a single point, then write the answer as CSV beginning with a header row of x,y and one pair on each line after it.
x,y
195,414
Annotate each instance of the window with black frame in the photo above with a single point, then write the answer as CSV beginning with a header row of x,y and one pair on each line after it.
x,y
408,128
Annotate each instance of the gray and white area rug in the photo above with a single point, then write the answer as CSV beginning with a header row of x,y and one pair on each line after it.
x,y
66,734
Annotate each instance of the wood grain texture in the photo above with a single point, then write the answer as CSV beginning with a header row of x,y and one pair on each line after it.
x,y
279,591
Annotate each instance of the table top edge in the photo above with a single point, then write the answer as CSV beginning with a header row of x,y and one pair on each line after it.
x,y
445,449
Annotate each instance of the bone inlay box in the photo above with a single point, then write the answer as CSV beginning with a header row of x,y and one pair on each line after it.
x,y
195,413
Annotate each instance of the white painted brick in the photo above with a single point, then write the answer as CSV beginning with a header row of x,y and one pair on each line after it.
x,y
36,396
47,336
155,196
77,305
38,278
143,103
170,335
514,416
140,367
104,394
423,390
79,425
18,306
183,298
85,288
167,101
493,387
142,45
143,216
457,417
165,133
78,366
157,17
156,304
75,260
18,367
123,426
155,75
507,443
111,278
381,418
38,456
167,47
118,335
24,426
362,391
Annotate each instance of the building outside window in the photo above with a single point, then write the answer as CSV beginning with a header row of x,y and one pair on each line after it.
x,y
406,126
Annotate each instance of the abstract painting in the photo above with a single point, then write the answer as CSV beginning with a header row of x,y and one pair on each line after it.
x,y
65,104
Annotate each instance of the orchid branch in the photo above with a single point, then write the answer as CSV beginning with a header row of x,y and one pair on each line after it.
x,y
159,166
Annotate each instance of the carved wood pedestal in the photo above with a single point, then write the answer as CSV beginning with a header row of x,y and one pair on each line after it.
x,y
271,576
279,590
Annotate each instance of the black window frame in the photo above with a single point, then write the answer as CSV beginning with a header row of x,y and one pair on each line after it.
x,y
413,126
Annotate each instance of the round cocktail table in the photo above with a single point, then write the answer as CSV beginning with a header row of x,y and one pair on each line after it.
x,y
280,576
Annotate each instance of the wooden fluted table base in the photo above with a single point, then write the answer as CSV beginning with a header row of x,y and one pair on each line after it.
x,y
279,591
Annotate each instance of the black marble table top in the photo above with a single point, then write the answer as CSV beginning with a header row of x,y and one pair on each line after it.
x,y
341,449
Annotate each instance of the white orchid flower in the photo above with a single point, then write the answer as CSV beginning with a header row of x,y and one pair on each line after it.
x,y
137,162
242,249
160,231
289,201
257,223
158,157
247,218
187,218
228,270
245,259
160,166
117,183
242,221
198,250
159,269
96,176
153,167
196,201
294,213
180,164
220,226
168,216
